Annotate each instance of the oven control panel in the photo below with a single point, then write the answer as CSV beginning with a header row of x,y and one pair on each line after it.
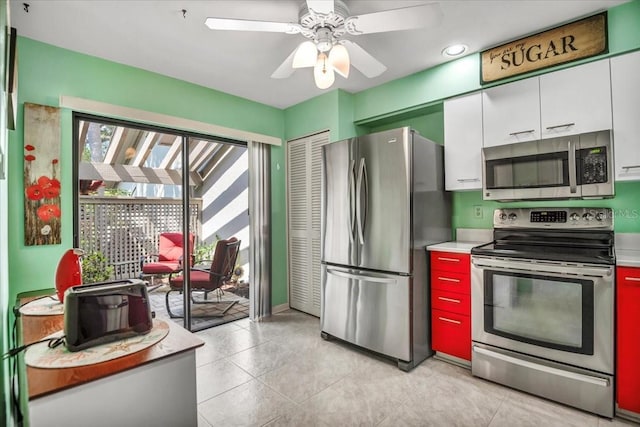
x,y
558,218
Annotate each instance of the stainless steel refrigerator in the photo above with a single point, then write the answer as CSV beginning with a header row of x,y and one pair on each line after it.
x,y
383,201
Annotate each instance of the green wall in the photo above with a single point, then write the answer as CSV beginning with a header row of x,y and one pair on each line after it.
x,y
47,72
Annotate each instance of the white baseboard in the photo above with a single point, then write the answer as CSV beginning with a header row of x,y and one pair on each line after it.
x,y
280,308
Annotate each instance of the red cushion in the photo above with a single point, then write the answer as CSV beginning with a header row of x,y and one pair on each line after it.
x,y
199,279
170,246
165,267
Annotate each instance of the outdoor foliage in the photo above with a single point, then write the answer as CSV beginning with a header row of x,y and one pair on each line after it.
x,y
95,268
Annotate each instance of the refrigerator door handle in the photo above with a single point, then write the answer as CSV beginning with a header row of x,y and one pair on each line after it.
x,y
359,209
365,185
352,200
346,275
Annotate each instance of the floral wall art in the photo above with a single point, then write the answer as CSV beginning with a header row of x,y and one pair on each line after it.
x,y
41,175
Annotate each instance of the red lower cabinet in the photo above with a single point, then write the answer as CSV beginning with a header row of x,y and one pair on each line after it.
x,y
451,333
451,304
628,338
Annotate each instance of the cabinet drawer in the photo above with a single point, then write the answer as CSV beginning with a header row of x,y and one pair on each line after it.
x,y
628,276
451,301
450,261
451,333
448,281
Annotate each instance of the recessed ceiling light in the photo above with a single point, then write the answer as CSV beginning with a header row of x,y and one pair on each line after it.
x,y
454,50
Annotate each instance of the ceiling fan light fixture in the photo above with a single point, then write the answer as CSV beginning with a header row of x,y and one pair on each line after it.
x,y
454,50
305,56
339,60
323,72
324,39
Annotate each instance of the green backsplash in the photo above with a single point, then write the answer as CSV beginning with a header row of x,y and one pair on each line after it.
x,y
625,205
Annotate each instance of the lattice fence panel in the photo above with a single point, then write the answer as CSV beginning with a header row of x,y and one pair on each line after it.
x,y
126,230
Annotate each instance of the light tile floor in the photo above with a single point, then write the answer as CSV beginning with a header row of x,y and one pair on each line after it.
x,y
281,373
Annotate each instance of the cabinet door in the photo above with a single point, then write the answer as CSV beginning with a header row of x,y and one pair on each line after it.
x,y
576,100
511,113
451,333
628,339
625,88
463,142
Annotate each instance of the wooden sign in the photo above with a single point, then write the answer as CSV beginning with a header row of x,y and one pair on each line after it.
x,y
577,40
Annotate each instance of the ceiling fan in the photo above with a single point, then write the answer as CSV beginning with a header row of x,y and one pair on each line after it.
x,y
324,23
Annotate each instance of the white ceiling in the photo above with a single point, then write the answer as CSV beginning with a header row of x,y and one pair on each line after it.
x,y
154,35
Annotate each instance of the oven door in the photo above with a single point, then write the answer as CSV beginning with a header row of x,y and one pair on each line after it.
x,y
557,311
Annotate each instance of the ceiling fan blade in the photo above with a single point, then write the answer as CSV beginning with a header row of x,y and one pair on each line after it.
x,y
408,18
249,25
324,7
362,60
286,68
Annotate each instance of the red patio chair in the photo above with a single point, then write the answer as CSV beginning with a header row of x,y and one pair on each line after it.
x,y
211,279
168,260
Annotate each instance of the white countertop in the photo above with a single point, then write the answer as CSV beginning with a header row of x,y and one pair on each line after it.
x,y
627,258
455,246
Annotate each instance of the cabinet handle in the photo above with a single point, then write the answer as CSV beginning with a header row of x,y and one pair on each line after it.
x,y
630,167
457,301
457,322
448,279
448,259
472,179
566,125
632,279
521,132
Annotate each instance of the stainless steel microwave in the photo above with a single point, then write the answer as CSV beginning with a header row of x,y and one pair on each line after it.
x,y
570,167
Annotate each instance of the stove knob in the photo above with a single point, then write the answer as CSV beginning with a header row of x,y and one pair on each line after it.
x,y
503,216
588,216
512,217
574,217
600,216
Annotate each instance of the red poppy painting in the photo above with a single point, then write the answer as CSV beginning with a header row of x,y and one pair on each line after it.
x,y
41,175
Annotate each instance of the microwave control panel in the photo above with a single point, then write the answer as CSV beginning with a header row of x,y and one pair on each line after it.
x,y
593,165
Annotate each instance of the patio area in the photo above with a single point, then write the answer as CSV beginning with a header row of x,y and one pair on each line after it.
x,y
203,315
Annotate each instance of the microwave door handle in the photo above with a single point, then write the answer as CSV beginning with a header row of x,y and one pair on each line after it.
x,y
572,167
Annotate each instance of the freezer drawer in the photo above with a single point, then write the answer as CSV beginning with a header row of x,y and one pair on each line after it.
x,y
371,310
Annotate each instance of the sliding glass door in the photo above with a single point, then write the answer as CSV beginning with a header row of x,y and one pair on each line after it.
x,y
140,217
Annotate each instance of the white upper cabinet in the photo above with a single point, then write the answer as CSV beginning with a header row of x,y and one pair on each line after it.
x,y
625,88
463,142
511,112
576,100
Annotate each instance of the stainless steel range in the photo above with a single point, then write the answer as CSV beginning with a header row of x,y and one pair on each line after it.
x,y
543,305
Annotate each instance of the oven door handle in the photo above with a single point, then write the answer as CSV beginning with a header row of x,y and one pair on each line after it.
x,y
542,267
603,382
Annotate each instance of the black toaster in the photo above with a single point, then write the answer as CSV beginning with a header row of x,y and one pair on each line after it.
x,y
102,312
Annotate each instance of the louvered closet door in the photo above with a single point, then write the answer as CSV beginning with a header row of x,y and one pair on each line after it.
x,y
304,169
